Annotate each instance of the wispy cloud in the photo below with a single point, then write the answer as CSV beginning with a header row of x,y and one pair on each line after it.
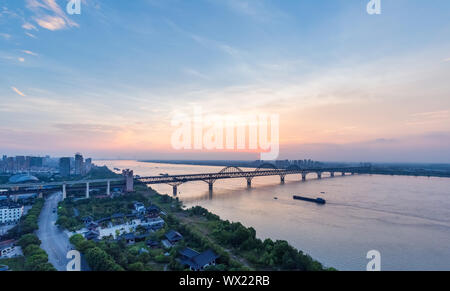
x,y
5,35
21,59
29,53
29,26
447,60
258,10
49,15
30,35
18,91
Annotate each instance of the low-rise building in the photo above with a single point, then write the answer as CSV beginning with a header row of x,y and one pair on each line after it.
x,y
139,207
197,261
10,212
173,236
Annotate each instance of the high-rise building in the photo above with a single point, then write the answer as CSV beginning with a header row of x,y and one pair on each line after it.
x,y
20,163
79,164
36,162
88,165
64,167
10,164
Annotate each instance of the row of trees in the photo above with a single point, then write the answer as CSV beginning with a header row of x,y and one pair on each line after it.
x,y
36,259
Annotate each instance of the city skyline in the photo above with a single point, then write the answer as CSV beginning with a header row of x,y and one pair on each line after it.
x,y
348,86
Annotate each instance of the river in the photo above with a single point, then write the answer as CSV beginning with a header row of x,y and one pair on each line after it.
x,y
406,219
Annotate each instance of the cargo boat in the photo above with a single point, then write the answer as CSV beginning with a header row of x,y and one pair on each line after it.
x,y
317,200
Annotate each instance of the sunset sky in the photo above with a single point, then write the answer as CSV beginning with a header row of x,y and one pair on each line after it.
x,y
348,86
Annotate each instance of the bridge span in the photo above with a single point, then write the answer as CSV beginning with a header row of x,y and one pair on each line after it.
x,y
128,179
236,172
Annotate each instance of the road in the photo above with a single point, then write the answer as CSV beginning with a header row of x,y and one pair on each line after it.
x,y
54,241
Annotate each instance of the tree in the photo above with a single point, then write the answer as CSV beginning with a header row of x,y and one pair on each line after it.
x,y
28,239
136,267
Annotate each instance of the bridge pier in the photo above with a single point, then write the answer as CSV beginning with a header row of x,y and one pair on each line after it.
x,y
211,186
332,174
319,175
108,188
175,190
304,176
64,192
87,190
282,178
249,183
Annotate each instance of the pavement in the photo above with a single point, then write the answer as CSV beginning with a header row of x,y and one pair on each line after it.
x,y
54,240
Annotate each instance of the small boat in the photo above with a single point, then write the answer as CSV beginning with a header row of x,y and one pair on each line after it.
x,y
116,169
317,200
275,198
322,192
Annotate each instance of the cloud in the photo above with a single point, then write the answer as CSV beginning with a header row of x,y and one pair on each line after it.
x,y
30,53
51,22
21,59
258,10
29,26
5,35
49,15
30,35
18,91
447,60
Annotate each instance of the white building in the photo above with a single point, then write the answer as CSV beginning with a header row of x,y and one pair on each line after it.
x,y
10,213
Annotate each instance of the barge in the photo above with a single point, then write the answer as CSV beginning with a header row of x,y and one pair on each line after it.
x,y
317,200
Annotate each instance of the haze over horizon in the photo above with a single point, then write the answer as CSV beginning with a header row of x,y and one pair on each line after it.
x,y
348,86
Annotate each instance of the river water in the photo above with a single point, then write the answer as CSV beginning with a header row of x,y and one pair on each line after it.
x,y
406,219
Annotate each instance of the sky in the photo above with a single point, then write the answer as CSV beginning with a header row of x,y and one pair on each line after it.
x,y
346,85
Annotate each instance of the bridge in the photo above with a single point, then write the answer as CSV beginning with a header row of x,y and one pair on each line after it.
x,y
128,179
236,172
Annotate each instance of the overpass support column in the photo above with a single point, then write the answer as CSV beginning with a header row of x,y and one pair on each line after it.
x,y
87,190
64,192
319,175
332,174
129,179
108,188
343,173
304,176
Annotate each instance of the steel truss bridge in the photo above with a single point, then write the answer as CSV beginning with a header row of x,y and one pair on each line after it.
x,y
236,172
127,182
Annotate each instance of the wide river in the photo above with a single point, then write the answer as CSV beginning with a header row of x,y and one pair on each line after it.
x,y
407,219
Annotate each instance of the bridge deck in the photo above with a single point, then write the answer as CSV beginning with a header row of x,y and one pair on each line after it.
x,y
239,174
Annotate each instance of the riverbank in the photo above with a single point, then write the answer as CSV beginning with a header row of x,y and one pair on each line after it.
x,y
237,246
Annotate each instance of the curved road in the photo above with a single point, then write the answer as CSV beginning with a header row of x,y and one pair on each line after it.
x,y
54,241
